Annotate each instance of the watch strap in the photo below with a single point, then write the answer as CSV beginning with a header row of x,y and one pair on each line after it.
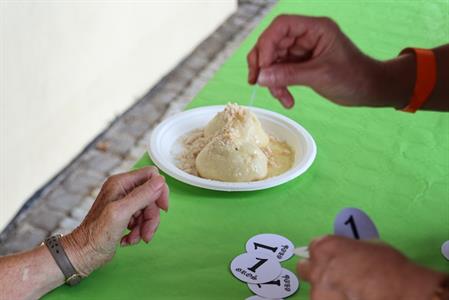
x,y
425,77
53,244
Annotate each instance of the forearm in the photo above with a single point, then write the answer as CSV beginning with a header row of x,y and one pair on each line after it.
x,y
29,275
391,82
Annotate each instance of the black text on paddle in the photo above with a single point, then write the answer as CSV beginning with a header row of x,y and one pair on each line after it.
x,y
258,264
276,282
351,222
273,249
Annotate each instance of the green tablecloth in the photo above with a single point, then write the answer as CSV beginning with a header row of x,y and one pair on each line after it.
x,y
393,165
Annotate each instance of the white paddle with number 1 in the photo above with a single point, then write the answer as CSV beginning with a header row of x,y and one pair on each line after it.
x,y
352,223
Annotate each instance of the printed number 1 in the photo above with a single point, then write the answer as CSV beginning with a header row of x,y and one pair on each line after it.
x,y
351,221
273,249
258,264
276,282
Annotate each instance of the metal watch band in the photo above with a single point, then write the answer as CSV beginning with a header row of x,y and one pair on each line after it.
x,y
57,251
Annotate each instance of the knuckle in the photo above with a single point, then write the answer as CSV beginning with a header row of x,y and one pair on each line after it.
x,y
328,241
329,24
263,40
280,19
111,180
322,244
389,252
249,56
325,20
111,184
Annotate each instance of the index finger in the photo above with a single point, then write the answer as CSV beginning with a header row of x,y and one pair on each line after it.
x,y
284,26
142,196
130,180
303,268
324,246
253,65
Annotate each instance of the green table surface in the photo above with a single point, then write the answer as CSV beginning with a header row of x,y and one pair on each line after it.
x,y
393,165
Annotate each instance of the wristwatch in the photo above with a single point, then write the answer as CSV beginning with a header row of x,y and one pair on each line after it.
x,y
72,277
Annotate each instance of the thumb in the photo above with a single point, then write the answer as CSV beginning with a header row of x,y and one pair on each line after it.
x,y
142,196
303,268
282,75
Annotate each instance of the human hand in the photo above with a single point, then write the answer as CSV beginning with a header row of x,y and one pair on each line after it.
x,y
313,51
341,268
130,200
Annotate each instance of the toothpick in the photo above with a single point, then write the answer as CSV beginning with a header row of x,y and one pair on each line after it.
x,y
302,252
253,96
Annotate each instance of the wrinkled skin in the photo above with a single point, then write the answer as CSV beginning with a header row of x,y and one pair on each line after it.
x,y
131,200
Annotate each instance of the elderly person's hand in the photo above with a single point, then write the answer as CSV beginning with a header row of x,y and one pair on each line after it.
x,y
341,268
131,200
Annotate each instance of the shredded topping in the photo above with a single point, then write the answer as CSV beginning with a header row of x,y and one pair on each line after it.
x,y
195,141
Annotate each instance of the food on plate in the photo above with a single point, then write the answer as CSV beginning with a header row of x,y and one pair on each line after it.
x,y
234,147
240,122
227,158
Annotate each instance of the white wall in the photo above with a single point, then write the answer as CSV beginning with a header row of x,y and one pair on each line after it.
x,y
68,67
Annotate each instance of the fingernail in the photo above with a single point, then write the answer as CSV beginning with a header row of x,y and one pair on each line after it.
x,y
156,183
149,238
288,103
262,79
154,169
250,77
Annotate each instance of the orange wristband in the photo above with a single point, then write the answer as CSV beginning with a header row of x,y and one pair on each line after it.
x,y
426,73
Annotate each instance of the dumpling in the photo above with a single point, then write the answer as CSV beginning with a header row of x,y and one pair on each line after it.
x,y
227,159
242,122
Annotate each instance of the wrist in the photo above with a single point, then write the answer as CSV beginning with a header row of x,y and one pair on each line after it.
x,y
391,82
79,252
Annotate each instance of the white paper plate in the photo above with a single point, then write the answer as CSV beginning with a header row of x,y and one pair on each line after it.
x,y
165,146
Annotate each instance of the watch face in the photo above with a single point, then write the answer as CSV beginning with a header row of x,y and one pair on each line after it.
x,y
73,280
